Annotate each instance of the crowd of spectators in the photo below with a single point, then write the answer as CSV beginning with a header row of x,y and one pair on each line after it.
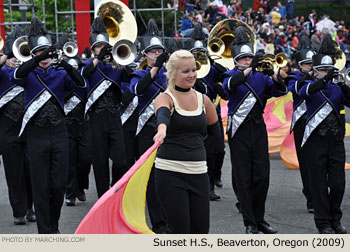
x,y
276,27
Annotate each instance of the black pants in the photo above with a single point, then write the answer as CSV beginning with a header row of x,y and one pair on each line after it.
x,y
326,161
156,213
251,169
79,159
48,160
16,166
131,147
107,141
215,150
185,199
298,138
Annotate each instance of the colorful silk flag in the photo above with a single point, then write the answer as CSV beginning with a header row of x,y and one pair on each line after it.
x,y
121,210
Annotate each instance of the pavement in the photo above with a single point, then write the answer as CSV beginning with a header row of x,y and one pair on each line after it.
x,y
285,205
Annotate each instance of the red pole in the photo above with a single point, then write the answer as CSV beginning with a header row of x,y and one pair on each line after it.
x,y
126,2
2,19
83,24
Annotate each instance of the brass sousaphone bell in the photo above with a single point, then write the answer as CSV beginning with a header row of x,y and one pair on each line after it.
x,y
221,37
121,28
202,63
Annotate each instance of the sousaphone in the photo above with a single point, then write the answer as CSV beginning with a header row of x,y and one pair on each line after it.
x,y
221,37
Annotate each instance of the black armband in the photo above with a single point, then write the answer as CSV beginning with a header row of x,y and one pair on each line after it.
x,y
74,74
127,97
236,80
27,67
163,116
143,84
214,129
316,86
127,73
89,70
200,86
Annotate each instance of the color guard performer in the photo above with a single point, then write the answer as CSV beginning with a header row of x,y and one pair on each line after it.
x,y
248,90
44,87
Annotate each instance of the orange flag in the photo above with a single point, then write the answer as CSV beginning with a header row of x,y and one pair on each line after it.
x,y
121,210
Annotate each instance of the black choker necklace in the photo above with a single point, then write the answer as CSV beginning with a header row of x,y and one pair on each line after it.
x,y
182,89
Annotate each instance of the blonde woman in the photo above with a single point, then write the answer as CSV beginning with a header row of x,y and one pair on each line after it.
x,y
184,116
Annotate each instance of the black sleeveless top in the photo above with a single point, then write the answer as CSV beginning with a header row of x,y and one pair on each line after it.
x,y
185,134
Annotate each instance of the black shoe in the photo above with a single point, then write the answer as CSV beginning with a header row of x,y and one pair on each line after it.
x,y
310,208
218,183
56,232
70,202
19,221
340,229
326,230
266,228
251,230
238,207
82,197
30,216
213,196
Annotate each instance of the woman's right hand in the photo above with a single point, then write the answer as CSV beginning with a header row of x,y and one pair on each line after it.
x,y
161,133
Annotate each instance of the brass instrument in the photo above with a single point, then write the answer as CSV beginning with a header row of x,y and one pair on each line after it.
x,y
202,63
124,52
272,62
70,49
339,57
122,31
118,19
342,77
142,65
21,50
221,37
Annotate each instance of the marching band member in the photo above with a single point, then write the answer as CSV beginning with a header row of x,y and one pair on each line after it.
x,y
12,147
147,85
102,109
303,58
78,141
209,85
183,115
43,120
248,90
323,139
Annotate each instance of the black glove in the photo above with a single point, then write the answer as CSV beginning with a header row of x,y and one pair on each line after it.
x,y
220,90
329,76
127,97
161,59
211,60
200,86
9,54
255,61
269,72
106,50
46,54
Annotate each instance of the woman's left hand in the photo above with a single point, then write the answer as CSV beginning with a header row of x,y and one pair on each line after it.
x,y
161,133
